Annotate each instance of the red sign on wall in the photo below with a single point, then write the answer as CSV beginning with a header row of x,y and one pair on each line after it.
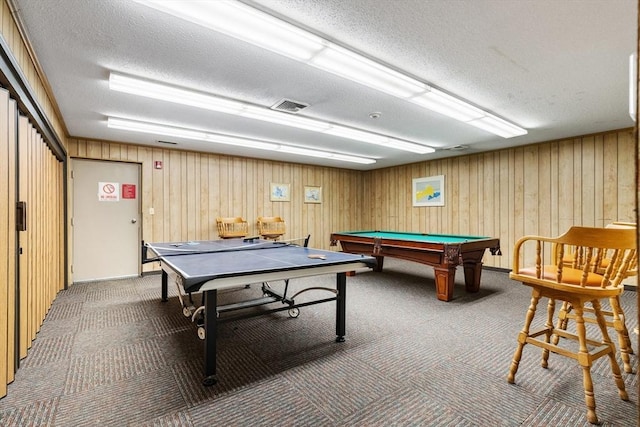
x,y
128,191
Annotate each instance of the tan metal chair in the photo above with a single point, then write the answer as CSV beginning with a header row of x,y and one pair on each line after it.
x,y
538,263
575,258
271,227
232,227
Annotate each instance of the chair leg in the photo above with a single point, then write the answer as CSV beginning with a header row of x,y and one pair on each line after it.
x,y
522,336
584,359
563,320
623,334
551,308
615,368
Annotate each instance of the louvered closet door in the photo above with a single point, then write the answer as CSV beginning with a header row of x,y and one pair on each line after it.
x,y
8,325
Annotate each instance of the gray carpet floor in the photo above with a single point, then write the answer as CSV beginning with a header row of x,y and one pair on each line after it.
x,y
111,354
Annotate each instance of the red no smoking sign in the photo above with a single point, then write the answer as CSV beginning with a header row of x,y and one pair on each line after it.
x,y
108,191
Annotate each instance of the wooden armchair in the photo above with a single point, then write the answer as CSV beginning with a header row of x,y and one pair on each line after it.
x,y
271,227
538,263
574,258
232,227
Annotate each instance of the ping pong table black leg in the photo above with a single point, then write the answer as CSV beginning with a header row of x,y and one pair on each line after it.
x,y
165,287
210,327
341,304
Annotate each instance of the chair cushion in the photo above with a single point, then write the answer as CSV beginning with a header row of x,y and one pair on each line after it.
x,y
570,276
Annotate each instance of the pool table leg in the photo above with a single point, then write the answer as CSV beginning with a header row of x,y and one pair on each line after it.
x,y
472,263
445,282
379,263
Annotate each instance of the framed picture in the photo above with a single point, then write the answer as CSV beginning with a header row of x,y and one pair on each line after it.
x,y
312,194
280,193
428,191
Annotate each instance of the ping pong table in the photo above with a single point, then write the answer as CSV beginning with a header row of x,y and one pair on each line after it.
x,y
205,267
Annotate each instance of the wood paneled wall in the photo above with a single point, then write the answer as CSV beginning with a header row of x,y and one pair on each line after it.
x,y
39,266
539,189
192,189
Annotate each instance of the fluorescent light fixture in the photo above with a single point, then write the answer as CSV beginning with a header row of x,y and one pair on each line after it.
x,y
448,105
257,27
155,90
124,124
498,126
352,66
199,135
149,89
243,22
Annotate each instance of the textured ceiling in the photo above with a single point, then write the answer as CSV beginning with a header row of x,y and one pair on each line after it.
x,y
557,68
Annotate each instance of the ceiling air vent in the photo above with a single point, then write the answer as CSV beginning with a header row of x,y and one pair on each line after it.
x,y
457,148
288,106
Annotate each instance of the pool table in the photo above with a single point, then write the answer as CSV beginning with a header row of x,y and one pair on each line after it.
x,y
444,252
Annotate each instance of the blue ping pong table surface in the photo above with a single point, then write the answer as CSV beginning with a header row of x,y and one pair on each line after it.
x,y
200,262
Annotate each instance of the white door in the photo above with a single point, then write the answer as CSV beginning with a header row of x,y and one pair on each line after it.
x,y
106,219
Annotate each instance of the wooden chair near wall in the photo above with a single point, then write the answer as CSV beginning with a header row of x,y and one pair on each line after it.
x,y
271,227
615,317
232,227
538,263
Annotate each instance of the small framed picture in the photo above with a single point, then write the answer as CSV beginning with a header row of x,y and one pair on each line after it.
x,y
428,191
312,194
280,193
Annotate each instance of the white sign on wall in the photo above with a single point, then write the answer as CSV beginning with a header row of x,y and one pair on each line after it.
x,y
108,191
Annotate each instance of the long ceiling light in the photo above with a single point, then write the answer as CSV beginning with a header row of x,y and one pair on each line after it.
x,y
243,22
200,135
155,90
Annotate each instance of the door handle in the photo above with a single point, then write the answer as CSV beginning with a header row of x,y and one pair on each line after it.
x,y
133,221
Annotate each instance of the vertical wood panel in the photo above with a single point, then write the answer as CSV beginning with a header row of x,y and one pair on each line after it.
x,y
565,185
544,191
598,194
531,182
588,181
5,250
23,194
627,185
610,177
505,216
11,242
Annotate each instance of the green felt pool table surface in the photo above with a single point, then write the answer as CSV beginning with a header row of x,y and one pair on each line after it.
x,y
415,237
